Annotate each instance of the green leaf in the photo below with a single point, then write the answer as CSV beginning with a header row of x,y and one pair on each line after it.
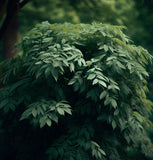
x,y
114,124
95,144
47,39
47,72
111,48
34,112
81,62
105,48
42,122
107,101
91,76
68,111
103,83
120,65
103,94
114,103
39,62
26,114
72,81
55,73
72,67
54,117
49,122
60,111
95,81
111,58
102,152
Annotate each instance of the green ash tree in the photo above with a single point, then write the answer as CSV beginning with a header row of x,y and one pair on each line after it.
x,y
75,92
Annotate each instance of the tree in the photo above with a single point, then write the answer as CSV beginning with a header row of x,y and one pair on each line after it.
x,y
79,92
9,24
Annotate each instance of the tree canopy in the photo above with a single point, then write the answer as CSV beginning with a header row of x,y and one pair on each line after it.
x,y
76,91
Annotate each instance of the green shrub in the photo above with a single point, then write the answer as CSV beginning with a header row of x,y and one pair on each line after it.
x,y
76,92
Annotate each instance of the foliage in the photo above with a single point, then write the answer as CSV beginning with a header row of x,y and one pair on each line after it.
x,y
76,11
76,92
143,36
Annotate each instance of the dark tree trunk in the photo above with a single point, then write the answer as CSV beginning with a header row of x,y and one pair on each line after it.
x,y
9,28
10,38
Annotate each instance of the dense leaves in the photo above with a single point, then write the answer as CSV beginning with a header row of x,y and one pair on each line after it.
x,y
85,86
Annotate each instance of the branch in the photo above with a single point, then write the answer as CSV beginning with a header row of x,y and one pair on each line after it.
x,y
23,3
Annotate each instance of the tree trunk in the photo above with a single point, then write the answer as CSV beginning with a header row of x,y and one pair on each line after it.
x,y
10,38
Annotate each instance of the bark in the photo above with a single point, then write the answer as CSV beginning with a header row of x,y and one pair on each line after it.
x,y
13,7
9,28
2,8
10,38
